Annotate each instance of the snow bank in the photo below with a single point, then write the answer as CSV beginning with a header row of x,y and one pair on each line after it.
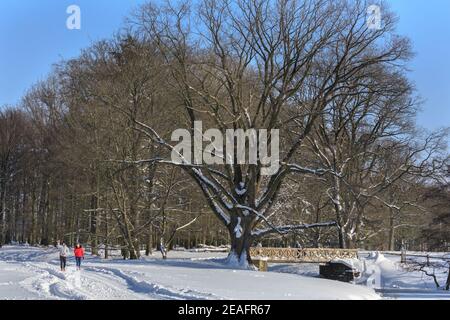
x,y
235,262
385,272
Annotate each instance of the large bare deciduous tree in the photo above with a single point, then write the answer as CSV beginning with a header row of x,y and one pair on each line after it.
x,y
263,65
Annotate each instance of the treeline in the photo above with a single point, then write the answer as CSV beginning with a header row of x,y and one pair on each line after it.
x,y
58,182
84,156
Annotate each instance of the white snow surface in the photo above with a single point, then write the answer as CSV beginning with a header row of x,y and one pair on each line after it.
x,y
351,263
33,273
397,281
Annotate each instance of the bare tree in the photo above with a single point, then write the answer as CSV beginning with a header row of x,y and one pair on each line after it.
x,y
367,140
262,64
12,126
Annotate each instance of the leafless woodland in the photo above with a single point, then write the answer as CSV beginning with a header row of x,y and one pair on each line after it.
x,y
85,156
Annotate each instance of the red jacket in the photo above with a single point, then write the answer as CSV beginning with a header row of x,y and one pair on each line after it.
x,y
79,252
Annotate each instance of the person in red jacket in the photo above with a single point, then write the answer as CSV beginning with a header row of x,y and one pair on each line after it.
x,y
79,254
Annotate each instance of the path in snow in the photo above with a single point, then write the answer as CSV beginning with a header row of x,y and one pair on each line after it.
x,y
34,273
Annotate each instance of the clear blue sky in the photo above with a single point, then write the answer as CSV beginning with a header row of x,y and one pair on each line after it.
x,y
33,36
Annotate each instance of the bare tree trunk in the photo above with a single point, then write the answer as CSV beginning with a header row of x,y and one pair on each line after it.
x,y
43,212
24,214
149,245
337,205
341,235
2,210
32,239
162,248
391,237
106,235
350,244
132,249
447,286
93,231
241,241
134,253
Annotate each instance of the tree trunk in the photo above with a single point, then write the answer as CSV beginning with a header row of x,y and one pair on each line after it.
x,y
447,286
133,253
163,248
106,235
241,241
125,253
95,206
351,244
32,239
341,235
2,210
391,238
24,213
43,212
149,245
133,248
93,231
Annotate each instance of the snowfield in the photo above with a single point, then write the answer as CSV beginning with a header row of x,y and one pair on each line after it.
x,y
33,273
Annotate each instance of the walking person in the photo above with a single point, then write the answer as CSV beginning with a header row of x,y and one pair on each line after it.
x,y
63,254
79,254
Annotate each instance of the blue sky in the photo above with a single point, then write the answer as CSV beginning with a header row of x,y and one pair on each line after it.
x,y
33,36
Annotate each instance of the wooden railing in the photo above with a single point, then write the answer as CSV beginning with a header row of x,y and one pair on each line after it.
x,y
294,255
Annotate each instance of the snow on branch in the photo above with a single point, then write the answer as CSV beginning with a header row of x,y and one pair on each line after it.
x,y
282,230
295,168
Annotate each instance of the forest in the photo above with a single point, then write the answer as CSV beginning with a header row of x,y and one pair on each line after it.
x,y
85,155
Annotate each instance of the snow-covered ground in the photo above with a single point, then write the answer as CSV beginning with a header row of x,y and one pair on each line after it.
x,y
400,281
33,273
387,276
